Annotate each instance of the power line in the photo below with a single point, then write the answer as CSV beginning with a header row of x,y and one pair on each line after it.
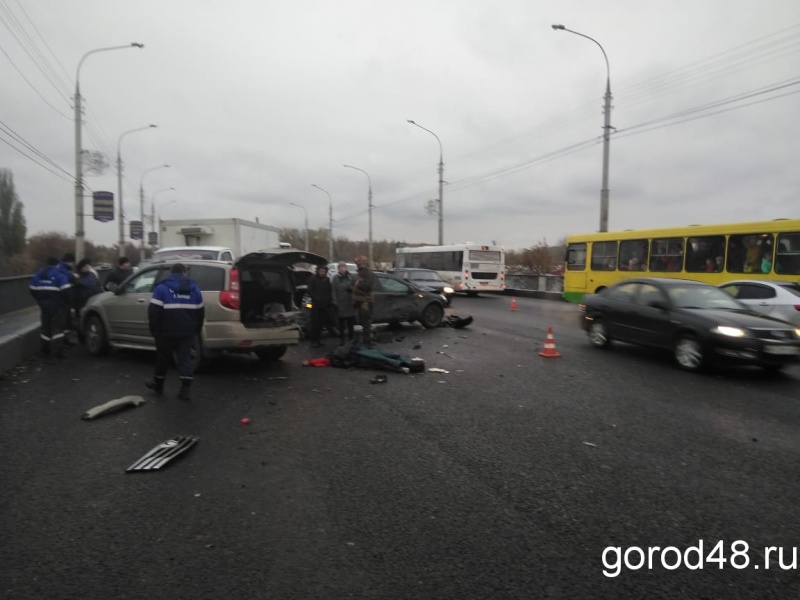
x,y
68,79
33,87
34,160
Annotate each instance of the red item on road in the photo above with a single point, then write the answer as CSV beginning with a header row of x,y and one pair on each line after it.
x,y
317,362
244,421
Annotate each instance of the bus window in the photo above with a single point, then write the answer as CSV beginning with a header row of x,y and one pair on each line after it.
x,y
787,255
746,253
576,257
633,255
666,255
702,253
604,256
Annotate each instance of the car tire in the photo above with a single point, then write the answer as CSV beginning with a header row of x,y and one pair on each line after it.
x,y
689,353
270,353
598,334
432,316
94,332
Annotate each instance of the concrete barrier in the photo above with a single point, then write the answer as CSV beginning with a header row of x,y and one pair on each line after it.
x,y
19,337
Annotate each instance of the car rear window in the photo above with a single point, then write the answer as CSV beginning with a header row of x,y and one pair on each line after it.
x,y
207,278
794,288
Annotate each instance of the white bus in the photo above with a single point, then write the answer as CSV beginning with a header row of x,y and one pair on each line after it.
x,y
469,268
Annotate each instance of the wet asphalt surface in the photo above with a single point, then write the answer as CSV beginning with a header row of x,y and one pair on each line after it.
x,y
505,478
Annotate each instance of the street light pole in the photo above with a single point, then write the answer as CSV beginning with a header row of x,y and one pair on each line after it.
x,y
158,217
441,181
119,187
153,206
306,214
604,192
369,204
141,203
80,234
330,221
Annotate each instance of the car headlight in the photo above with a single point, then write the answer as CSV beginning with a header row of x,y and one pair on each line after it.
x,y
449,290
797,332
729,331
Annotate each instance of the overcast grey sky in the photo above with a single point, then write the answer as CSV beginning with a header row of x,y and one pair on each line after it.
x,y
257,100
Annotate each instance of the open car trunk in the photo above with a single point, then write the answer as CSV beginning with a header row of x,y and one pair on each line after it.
x,y
267,288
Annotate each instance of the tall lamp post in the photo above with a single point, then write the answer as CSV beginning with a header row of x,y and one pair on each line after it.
x,y
441,181
80,234
330,221
158,216
141,201
119,187
369,203
306,214
153,207
604,192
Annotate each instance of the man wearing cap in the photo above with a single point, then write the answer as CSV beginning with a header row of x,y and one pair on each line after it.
x,y
175,316
343,301
50,287
321,294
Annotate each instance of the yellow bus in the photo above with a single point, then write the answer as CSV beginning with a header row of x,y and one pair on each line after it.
x,y
709,253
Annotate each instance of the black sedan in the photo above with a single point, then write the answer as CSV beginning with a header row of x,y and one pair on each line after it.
x,y
428,280
699,323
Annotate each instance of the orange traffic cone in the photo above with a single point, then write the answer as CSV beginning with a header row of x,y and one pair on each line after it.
x,y
513,303
549,350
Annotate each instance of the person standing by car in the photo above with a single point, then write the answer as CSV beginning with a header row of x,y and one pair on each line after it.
x,y
86,285
364,298
343,301
321,293
175,316
51,289
119,274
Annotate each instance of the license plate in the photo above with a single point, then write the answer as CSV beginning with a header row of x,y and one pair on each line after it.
x,y
782,350
484,282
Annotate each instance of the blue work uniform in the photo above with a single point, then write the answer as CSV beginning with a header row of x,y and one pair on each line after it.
x,y
175,316
51,289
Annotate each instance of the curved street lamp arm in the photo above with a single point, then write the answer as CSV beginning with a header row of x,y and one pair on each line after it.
x,y
441,151
85,56
608,68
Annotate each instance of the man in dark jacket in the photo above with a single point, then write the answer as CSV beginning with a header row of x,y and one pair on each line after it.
x,y
342,285
66,266
50,287
321,294
120,272
175,316
86,285
364,298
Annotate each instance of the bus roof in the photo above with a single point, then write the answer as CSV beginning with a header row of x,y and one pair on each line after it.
x,y
754,227
449,247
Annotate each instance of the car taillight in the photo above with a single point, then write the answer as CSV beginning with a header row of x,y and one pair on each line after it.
x,y
797,306
230,298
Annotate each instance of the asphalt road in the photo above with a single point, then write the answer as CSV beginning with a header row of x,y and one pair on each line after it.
x,y
507,477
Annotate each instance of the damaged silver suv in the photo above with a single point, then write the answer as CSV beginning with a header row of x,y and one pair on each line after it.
x,y
250,306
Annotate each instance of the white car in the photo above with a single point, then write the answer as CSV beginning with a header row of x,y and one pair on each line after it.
x,y
779,299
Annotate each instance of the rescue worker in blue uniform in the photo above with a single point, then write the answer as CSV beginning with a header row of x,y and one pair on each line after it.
x,y
175,316
51,289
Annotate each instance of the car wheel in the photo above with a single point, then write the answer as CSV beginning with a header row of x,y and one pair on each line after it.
x,y
598,334
94,332
432,316
689,353
270,353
